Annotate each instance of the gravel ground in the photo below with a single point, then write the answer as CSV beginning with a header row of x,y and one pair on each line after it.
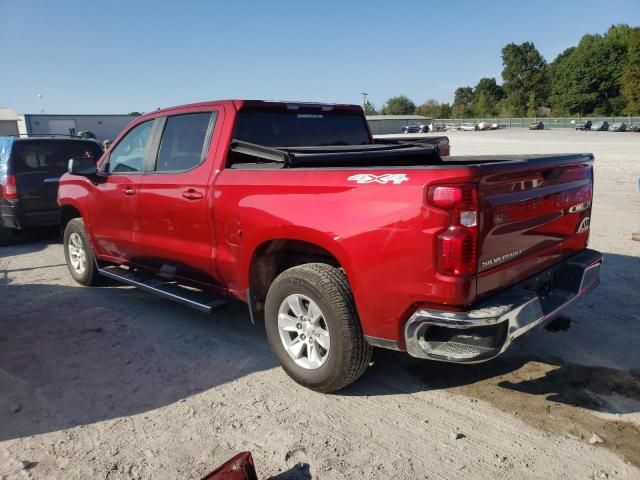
x,y
113,383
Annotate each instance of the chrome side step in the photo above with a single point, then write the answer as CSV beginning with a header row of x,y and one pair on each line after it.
x,y
171,290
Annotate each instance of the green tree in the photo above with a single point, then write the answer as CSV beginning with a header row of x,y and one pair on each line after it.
x,y
587,79
532,105
524,73
369,108
430,108
630,79
486,95
400,105
445,111
462,102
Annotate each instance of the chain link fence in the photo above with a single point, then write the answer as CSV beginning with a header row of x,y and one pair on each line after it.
x,y
549,122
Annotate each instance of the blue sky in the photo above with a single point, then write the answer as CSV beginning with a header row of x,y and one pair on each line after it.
x,y
121,56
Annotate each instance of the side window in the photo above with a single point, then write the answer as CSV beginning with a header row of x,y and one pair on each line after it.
x,y
128,155
185,141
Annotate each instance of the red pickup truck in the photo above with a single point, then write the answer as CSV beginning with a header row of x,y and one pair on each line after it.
x,y
340,243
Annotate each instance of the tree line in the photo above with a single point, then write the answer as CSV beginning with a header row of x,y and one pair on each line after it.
x,y
599,76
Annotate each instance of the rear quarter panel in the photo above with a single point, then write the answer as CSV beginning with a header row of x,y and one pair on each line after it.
x,y
382,234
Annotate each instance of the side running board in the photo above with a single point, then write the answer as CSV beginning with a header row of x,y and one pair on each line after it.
x,y
171,290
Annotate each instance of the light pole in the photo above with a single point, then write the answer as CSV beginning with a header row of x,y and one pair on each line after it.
x,y
41,102
364,101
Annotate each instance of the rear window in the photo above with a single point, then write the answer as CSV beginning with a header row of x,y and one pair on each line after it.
x,y
301,129
50,155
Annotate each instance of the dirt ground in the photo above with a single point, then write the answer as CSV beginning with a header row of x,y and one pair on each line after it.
x,y
113,383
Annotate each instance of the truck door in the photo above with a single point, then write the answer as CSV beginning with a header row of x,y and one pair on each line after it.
x,y
114,204
175,208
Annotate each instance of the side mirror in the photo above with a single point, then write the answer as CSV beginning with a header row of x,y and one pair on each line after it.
x,y
84,166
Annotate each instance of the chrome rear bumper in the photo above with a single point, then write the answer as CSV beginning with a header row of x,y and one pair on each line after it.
x,y
488,330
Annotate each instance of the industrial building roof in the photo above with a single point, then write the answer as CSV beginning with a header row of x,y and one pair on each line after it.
x,y
8,114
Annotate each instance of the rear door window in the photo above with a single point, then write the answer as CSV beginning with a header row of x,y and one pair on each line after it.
x,y
50,156
128,155
185,141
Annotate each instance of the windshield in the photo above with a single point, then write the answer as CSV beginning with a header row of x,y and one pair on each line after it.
x,y
301,129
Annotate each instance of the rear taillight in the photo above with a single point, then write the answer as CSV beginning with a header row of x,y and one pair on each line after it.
x,y
457,245
9,187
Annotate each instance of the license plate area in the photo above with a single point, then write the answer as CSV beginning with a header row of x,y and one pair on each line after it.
x,y
542,284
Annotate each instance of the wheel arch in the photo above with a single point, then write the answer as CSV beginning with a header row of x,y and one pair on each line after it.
x,y
67,213
272,257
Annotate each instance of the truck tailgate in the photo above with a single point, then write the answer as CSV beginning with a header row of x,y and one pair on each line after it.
x,y
533,214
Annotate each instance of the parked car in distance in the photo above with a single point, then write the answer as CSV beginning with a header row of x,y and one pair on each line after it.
x,y
415,128
451,126
468,127
30,167
584,125
484,126
600,126
337,242
635,127
618,127
441,142
536,126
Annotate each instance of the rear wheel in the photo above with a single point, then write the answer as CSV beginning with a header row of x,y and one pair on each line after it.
x,y
313,327
6,236
79,254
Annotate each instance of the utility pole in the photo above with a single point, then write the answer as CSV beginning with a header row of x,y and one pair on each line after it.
x,y
364,101
41,102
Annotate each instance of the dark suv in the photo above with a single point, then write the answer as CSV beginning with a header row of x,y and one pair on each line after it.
x,y
29,171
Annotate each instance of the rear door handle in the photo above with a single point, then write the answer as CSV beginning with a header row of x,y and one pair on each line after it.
x,y
129,190
192,194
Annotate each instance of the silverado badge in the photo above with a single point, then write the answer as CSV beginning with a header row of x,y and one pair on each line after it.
x,y
502,258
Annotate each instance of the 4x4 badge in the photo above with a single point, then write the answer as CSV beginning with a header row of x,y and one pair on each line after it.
x,y
395,178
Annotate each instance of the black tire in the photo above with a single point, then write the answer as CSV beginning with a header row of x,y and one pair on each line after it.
x,y
89,276
349,353
6,236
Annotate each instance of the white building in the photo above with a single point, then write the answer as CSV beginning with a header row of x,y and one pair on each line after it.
x,y
8,122
105,127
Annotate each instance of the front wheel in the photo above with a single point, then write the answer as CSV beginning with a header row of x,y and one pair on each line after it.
x,y
79,254
313,327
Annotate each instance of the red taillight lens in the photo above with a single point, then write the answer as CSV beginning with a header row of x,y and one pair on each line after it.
x,y
457,251
9,187
456,247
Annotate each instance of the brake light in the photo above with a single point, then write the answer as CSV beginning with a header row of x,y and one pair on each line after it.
x,y
9,187
456,247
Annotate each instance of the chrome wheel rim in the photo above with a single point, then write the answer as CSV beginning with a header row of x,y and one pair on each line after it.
x,y
77,254
304,331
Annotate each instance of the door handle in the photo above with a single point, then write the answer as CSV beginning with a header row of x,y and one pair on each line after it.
x,y
129,190
192,194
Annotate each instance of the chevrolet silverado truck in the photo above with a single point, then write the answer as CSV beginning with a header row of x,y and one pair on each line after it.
x,y
338,242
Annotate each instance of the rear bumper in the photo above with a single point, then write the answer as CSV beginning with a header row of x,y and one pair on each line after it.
x,y
11,216
488,330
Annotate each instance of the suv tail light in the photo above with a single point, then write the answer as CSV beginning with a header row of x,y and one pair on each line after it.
x,y
456,247
9,187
